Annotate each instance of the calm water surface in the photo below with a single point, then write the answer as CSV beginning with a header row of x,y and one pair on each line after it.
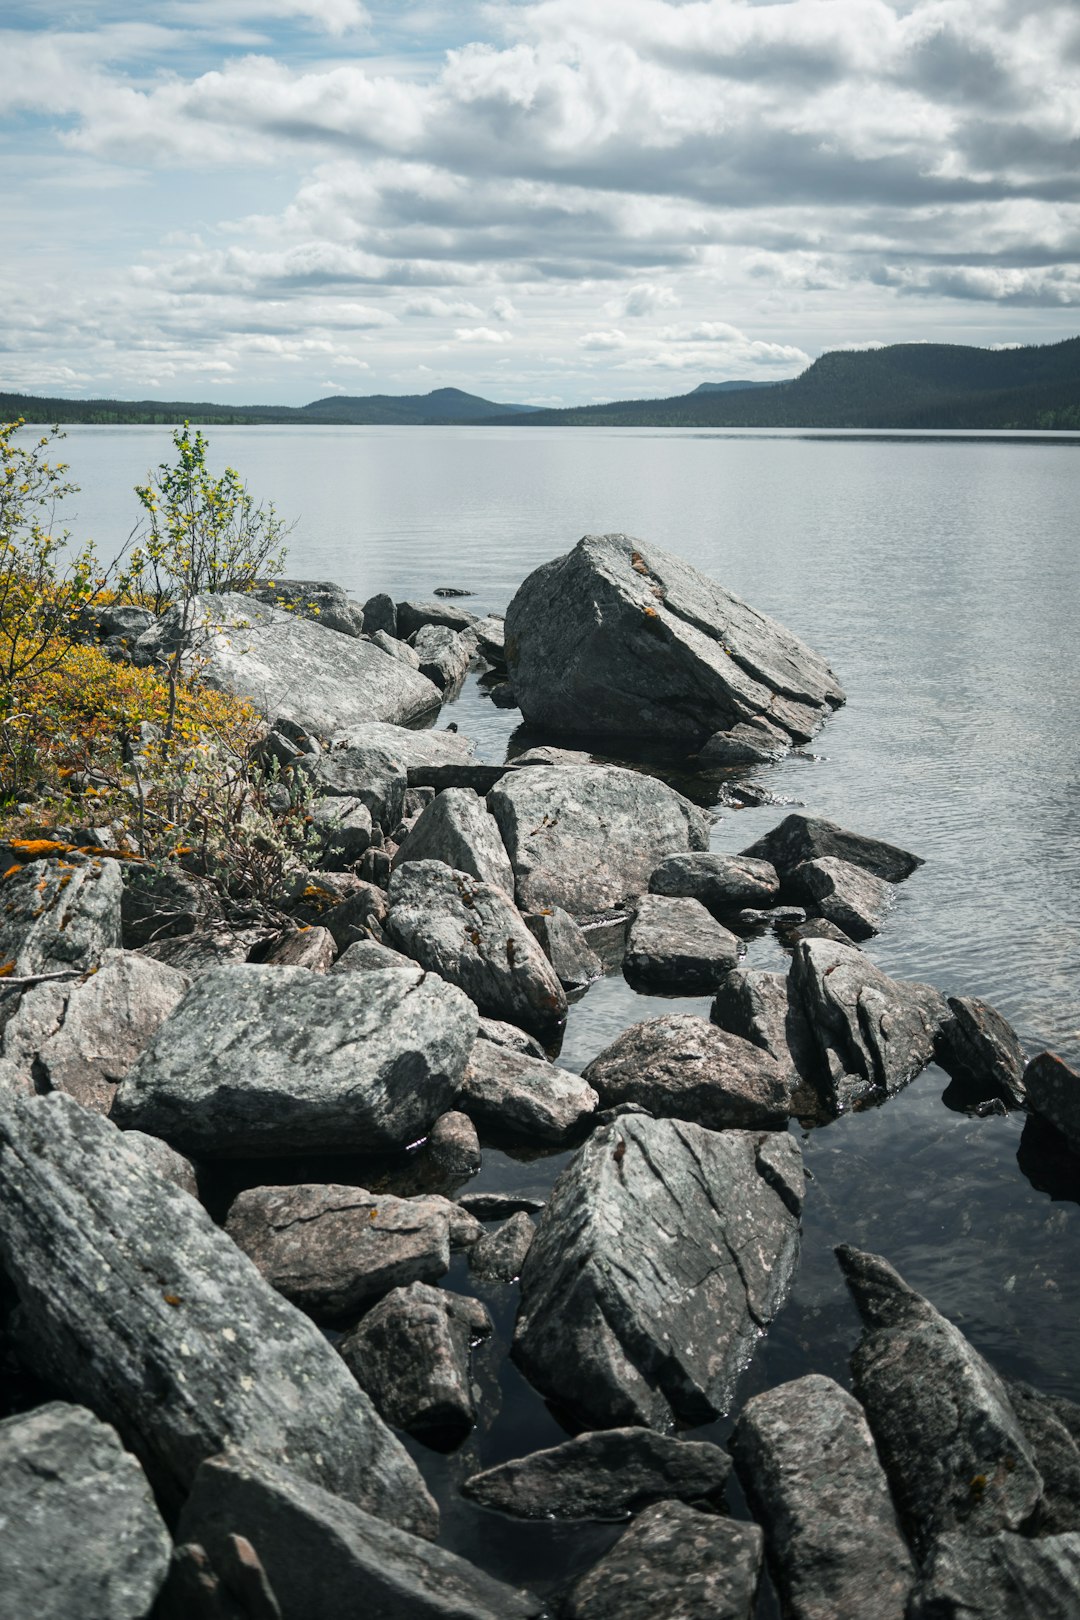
x,y
941,577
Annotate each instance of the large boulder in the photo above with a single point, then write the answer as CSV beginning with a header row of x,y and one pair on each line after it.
x,y
279,1060
474,936
131,1300
82,1538
673,1561
676,946
59,914
618,638
287,666
662,1254
458,829
801,837
844,894
587,837
683,1067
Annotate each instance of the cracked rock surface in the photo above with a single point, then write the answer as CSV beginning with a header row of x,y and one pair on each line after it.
x,y
57,914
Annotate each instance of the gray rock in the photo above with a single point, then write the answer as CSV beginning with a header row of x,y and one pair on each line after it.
x,y
490,633
951,1443
372,762
763,1009
1056,1453
500,1033
397,649
457,829
161,901
444,655
380,614
411,1353
324,1557
978,1047
500,1255
585,837
59,914
807,1462
453,1145
721,882
285,665
1003,1577
874,1034
818,928
497,1206
847,895
82,1538
331,1250
164,1160
677,946
206,949
311,948
619,638
263,1060
800,838
122,619
368,956
321,601
1053,1092
513,1094
751,742
674,1561
413,616
360,916
682,1067
472,934
548,754
608,1474
343,826
663,1252
566,947
131,1300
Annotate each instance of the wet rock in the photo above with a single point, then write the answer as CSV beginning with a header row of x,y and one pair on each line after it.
x,y
453,1145
978,1047
849,896
57,914
328,1558
1004,1577
262,1060
778,917
413,616
457,829
566,947
472,934
411,1353
663,1252
444,655
311,948
675,945
500,1255
497,1206
83,1539
818,928
513,1094
807,1462
380,615
161,901
131,1300
763,1009
500,1033
164,1160
950,1441
619,638
608,1474
752,742
800,838
285,665
330,1250
874,1034
321,601
721,882
369,956
682,1067
343,827
585,837
674,1561
1056,1453
1053,1092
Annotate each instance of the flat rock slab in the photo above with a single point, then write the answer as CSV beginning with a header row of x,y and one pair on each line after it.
x,y
472,935
411,1353
82,1536
951,1443
844,894
1004,1577
325,1557
514,1094
807,1462
676,945
57,914
662,1253
677,1562
287,666
683,1067
132,1301
800,838
608,1474
276,1060
457,829
1053,1092
332,1249
619,638
722,882
586,837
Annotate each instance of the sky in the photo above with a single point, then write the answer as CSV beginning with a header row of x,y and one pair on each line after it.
x,y
541,201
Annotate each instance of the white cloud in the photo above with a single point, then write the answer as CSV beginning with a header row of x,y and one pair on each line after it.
x,y
480,334
611,339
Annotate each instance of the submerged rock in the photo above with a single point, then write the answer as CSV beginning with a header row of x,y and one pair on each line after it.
x,y
682,1067
800,838
621,639
662,1253
674,1561
675,945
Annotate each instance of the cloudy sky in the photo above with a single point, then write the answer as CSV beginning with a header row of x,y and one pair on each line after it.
x,y
550,201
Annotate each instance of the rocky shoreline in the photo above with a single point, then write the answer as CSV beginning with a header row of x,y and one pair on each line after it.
x,y
223,1368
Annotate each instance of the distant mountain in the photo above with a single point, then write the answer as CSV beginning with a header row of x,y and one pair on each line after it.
x,y
730,387
441,405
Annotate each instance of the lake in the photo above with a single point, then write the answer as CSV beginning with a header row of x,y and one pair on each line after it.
x,y
940,576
